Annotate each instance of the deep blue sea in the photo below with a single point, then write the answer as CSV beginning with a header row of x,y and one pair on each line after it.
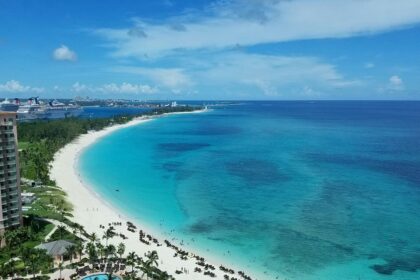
x,y
308,190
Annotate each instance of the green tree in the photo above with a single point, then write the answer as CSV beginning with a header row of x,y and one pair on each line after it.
x,y
92,253
152,258
148,265
121,250
110,251
61,230
109,233
93,237
71,250
132,260
147,270
8,269
36,259
16,236
78,229
79,249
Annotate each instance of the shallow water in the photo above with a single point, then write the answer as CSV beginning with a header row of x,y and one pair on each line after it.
x,y
309,190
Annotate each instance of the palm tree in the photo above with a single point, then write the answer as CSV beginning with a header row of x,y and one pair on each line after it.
x,y
93,237
110,250
60,208
34,226
61,228
101,249
76,228
152,258
131,260
71,250
109,233
121,250
80,228
29,257
35,258
92,254
148,266
11,237
147,270
79,249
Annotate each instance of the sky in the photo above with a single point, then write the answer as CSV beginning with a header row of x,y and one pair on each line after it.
x,y
211,50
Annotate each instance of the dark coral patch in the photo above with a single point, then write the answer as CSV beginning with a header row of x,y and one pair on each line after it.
x,y
182,147
256,172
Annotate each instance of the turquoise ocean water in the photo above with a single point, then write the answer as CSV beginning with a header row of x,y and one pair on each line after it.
x,y
307,190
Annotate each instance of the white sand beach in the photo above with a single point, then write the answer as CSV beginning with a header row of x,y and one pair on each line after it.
x,y
91,211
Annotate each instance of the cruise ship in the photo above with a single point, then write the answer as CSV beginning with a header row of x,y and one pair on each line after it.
x,y
8,106
36,110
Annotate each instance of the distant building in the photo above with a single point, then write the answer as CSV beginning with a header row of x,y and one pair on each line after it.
x,y
11,205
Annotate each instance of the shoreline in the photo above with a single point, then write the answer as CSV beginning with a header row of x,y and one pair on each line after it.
x,y
91,210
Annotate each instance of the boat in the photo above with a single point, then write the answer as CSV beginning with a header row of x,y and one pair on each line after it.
x,y
36,110
58,110
8,106
31,110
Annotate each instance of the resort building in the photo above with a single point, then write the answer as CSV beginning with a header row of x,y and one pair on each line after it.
x,y
10,200
57,249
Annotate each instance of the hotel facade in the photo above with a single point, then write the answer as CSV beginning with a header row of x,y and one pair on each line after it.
x,y
10,196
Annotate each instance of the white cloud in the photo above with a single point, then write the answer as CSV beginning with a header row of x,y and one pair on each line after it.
x,y
123,88
57,89
128,88
275,21
273,74
172,78
78,87
13,86
267,74
395,83
310,92
64,53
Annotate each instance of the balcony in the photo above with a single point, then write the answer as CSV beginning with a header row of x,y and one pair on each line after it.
x,y
9,194
7,140
8,183
8,172
10,210
11,162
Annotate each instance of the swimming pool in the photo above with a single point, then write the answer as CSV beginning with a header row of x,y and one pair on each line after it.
x,y
102,276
